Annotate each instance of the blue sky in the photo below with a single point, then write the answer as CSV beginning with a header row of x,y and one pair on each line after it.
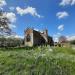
x,y
58,16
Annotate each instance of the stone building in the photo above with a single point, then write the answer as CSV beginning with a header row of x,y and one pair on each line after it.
x,y
36,38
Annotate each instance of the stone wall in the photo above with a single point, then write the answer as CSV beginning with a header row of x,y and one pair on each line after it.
x,y
29,32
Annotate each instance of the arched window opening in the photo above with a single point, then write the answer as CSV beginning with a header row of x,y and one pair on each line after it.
x,y
28,38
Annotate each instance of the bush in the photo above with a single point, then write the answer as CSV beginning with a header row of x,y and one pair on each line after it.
x,y
10,42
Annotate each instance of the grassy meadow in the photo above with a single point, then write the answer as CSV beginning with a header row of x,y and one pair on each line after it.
x,y
37,61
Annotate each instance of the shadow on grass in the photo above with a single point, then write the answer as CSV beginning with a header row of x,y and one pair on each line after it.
x,y
16,48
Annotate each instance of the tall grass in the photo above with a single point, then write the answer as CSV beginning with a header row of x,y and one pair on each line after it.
x,y
37,61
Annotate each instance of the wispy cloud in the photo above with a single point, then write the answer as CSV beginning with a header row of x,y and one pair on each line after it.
x,y
61,27
67,2
28,10
12,8
61,15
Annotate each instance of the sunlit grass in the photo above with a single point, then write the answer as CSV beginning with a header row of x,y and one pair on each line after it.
x,y
37,61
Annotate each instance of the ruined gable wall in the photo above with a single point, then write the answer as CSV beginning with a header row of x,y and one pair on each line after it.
x,y
29,32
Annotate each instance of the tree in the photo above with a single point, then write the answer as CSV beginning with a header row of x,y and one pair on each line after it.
x,y
72,42
62,39
4,24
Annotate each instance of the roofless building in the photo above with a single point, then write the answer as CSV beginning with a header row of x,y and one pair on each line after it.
x,y
35,38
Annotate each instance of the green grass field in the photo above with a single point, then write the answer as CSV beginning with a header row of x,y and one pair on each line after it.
x,y
37,61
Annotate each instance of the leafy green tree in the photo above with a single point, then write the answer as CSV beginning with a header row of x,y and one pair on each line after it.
x,y
4,24
72,42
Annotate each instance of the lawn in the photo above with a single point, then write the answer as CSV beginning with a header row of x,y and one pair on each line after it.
x,y
37,61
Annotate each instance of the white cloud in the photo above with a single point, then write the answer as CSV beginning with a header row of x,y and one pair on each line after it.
x,y
2,3
12,26
14,36
18,36
61,15
11,8
70,38
11,16
55,39
67,2
61,27
56,36
28,10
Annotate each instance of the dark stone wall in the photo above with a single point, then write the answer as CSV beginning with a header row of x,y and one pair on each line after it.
x,y
38,39
50,41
